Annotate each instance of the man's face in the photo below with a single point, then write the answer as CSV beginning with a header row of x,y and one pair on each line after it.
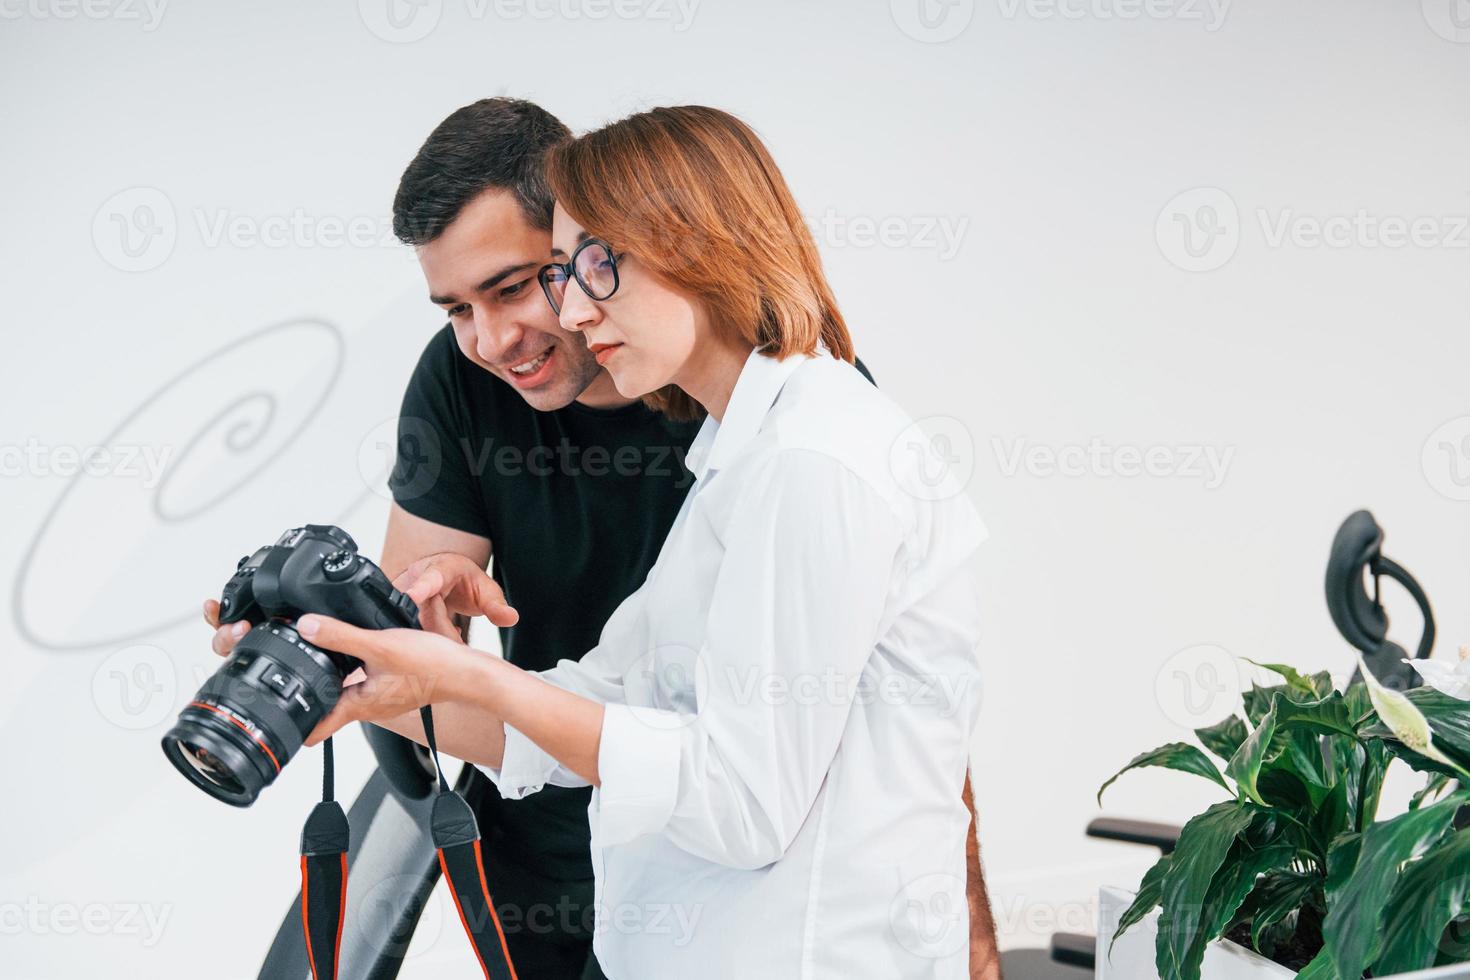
x,y
482,271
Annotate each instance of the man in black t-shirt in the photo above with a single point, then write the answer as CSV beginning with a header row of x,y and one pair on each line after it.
x,y
510,433
512,441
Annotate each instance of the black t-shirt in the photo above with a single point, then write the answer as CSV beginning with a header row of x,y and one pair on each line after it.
x,y
576,504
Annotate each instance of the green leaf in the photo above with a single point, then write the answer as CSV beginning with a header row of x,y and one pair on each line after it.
x,y
1432,891
1232,883
1432,787
1329,715
1224,738
1335,816
1322,683
1175,755
1342,858
1351,929
1257,701
1204,842
1276,896
1373,758
1360,706
1320,968
1283,789
1296,681
1145,901
1415,760
1300,752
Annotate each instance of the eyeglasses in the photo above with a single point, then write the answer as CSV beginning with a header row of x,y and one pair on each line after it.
x,y
593,265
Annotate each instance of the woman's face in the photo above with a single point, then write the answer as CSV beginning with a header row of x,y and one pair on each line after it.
x,y
645,335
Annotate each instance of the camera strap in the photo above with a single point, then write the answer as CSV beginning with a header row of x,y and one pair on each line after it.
x,y
456,836
324,842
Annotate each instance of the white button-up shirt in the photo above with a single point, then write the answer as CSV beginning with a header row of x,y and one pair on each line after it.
x,y
789,701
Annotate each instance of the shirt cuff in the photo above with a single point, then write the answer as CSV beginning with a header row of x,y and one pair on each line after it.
x,y
524,768
638,762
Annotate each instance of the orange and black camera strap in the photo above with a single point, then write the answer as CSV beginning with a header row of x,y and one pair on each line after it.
x,y
456,836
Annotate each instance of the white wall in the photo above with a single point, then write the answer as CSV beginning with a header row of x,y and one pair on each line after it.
x,y
1030,287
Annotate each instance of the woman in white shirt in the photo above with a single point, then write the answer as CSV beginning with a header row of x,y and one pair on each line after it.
x,y
777,722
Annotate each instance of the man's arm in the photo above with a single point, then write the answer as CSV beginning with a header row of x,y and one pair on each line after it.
x,y
984,956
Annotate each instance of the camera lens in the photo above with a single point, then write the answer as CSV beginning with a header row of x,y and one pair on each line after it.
x,y
251,717
208,767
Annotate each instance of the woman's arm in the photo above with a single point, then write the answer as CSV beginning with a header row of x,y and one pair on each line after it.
x,y
464,731
474,696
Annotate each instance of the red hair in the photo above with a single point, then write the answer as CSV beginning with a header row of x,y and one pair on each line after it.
x,y
695,195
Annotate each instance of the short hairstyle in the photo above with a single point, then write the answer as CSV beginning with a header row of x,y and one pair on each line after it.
x,y
497,142
695,195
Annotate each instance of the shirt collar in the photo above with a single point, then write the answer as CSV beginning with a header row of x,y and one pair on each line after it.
x,y
760,381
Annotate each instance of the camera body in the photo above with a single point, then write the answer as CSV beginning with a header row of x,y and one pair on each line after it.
x,y
252,716
314,569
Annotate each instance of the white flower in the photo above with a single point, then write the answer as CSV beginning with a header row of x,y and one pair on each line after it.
x,y
1405,720
1452,680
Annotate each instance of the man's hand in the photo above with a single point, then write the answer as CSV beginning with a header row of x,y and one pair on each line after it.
x,y
450,584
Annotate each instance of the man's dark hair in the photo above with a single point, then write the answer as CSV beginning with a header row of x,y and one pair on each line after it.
x,y
496,142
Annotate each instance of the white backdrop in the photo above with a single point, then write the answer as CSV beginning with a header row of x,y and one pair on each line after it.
x,y
1183,282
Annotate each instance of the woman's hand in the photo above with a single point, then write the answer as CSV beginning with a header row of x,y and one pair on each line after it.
x,y
404,670
450,584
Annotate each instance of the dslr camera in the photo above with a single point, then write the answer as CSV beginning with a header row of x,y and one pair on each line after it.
x,y
253,715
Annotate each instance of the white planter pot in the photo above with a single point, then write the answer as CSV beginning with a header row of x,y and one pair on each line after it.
x,y
1132,956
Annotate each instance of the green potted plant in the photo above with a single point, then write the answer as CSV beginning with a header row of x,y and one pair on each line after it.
x,y
1296,866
